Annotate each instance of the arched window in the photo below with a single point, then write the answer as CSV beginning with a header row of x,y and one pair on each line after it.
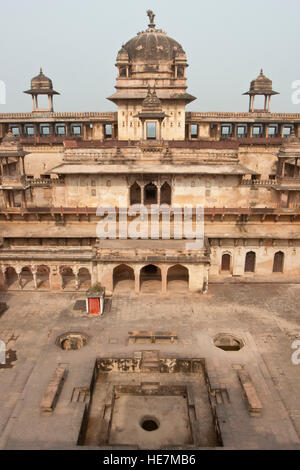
x,y
278,262
225,265
135,194
150,194
250,262
165,194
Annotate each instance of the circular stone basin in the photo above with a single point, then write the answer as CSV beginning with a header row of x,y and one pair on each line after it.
x,y
69,341
149,423
228,342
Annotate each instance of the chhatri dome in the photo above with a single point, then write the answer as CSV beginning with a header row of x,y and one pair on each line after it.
x,y
151,58
151,61
152,45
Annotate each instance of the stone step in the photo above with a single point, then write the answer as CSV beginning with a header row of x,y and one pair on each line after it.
x,y
150,361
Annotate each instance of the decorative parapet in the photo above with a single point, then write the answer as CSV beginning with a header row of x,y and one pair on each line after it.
x,y
247,116
288,181
53,116
44,181
250,182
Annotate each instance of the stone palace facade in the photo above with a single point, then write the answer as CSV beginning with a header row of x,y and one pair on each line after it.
x,y
56,169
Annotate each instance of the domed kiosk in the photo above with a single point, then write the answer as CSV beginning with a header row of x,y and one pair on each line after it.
x,y
151,59
41,85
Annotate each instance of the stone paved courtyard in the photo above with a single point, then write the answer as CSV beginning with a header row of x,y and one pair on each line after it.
x,y
264,316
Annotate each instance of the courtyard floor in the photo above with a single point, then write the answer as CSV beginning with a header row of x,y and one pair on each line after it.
x,y
265,316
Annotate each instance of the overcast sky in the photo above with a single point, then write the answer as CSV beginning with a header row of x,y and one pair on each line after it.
x,y
76,43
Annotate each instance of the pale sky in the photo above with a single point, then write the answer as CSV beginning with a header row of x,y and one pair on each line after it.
x,y
76,43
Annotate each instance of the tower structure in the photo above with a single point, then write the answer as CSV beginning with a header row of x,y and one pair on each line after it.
x,y
152,59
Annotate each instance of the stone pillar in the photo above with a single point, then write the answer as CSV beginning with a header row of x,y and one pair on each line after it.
x,y
3,285
76,272
94,273
164,271
205,279
238,263
137,280
18,271
34,274
142,193
234,129
55,278
266,130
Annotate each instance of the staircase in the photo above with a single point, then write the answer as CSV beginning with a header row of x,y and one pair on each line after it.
x,y
150,361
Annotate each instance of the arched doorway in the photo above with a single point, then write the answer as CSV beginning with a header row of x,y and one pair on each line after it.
x,y
123,278
226,262
165,194
11,278
26,278
278,262
150,194
135,194
68,277
150,279
84,278
250,262
42,277
178,279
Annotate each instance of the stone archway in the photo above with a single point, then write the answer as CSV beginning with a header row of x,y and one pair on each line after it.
x,y
178,279
123,278
11,278
42,277
26,278
68,277
84,278
150,279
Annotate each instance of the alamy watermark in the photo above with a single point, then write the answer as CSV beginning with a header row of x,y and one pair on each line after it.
x,y
296,354
2,92
296,92
2,352
153,222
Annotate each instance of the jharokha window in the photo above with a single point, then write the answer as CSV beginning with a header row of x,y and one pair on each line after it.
x,y
151,130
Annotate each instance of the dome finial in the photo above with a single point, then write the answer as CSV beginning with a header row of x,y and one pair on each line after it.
x,y
41,70
261,71
151,16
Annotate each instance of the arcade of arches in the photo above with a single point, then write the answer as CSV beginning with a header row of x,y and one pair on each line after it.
x,y
150,193
137,277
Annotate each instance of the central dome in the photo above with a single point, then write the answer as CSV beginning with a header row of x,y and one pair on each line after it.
x,y
152,45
